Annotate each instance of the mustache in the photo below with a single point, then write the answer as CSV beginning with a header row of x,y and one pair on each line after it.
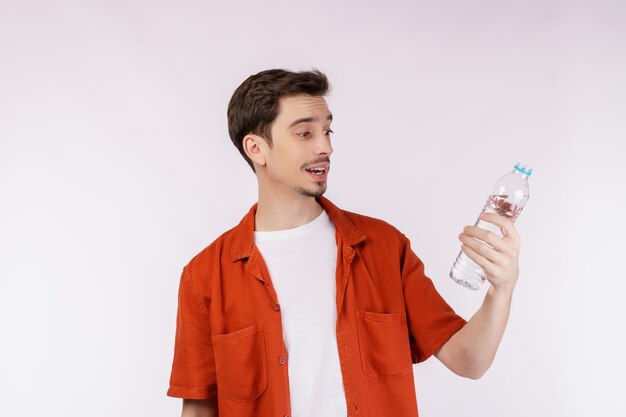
x,y
319,162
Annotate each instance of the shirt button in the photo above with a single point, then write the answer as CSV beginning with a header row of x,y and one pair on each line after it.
x,y
276,306
282,360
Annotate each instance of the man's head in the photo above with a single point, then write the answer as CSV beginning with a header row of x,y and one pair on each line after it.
x,y
280,123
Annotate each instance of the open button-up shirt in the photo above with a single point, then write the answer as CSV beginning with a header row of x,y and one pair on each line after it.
x,y
229,339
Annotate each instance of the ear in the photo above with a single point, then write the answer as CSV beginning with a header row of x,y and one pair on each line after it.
x,y
255,147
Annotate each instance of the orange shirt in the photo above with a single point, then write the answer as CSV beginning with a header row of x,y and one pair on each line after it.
x,y
229,339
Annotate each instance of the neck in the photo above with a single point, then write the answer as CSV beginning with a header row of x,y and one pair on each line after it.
x,y
280,212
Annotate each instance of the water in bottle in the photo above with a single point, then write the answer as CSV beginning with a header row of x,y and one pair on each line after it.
x,y
508,197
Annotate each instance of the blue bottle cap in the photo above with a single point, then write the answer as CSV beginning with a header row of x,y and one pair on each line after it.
x,y
524,169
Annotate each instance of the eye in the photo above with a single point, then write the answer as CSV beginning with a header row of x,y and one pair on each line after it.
x,y
328,132
303,134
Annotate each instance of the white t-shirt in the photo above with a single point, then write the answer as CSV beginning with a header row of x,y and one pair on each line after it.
x,y
302,265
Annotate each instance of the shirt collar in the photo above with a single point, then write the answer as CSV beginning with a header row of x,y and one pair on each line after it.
x,y
243,238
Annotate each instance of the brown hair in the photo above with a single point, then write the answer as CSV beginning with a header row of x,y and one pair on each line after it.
x,y
254,104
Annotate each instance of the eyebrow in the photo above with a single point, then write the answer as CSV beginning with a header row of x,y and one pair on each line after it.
x,y
309,119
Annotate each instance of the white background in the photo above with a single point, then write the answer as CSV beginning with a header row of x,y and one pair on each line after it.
x,y
116,168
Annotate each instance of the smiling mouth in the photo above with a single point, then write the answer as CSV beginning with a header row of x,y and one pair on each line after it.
x,y
316,170
318,173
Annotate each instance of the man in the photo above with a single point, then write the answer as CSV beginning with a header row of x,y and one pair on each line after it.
x,y
306,309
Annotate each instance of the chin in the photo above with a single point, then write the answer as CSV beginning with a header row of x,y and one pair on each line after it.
x,y
312,193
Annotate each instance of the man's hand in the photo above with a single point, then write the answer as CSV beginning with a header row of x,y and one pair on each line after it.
x,y
499,258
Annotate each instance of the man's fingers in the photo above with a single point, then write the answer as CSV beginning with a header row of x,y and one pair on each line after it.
x,y
489,237
506,225
490,254
484,263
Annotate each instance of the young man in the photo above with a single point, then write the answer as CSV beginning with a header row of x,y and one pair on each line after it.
x,y
309,310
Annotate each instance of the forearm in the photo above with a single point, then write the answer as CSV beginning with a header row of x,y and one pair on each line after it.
x,y
471,350
200,408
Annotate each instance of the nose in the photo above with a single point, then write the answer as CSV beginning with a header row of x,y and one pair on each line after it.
x,y
324,146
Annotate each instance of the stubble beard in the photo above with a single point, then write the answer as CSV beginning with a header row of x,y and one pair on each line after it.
x,y
320,189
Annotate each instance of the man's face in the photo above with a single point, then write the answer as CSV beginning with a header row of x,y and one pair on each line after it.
x,y
301,139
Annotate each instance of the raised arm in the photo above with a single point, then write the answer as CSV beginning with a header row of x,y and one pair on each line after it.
x,y
471,350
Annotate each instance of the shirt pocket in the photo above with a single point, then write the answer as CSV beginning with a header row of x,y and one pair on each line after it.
x,y
383,345
241,363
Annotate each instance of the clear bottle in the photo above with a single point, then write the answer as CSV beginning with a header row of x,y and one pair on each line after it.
x,y
509,195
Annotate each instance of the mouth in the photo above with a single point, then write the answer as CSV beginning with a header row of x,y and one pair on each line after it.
x,y
318,174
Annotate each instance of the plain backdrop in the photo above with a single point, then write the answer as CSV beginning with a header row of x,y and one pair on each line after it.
x,y
116,168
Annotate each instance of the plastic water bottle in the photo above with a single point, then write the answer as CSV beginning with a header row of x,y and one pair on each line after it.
x,y
508,198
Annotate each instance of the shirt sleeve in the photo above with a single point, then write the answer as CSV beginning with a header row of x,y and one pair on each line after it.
x,y
193,367
430,319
